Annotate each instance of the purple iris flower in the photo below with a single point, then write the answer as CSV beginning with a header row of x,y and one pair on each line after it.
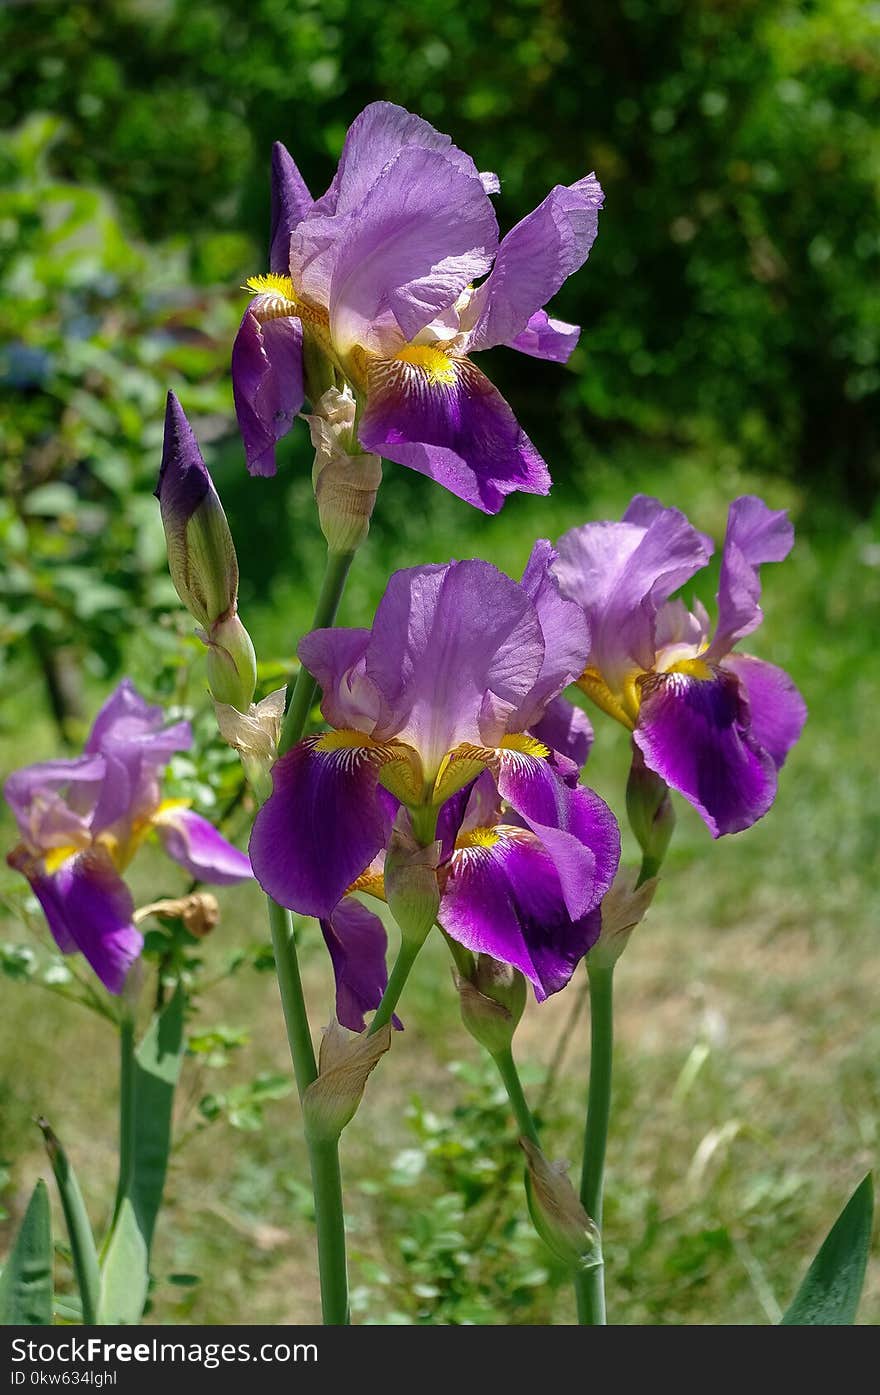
x,y
450,701
378,279
81,821
715,725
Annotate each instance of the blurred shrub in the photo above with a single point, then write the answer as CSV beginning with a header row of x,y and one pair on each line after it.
x,y
734,294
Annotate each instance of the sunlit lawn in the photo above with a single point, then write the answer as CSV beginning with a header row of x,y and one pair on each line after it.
x,y
748,1031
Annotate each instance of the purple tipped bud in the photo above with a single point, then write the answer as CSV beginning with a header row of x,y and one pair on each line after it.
x,y
201,555
291,202
650,811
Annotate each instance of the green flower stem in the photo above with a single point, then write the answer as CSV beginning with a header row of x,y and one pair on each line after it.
x,y
513,1085
409,951
323,1155
649,868
590,1286
332,587
126,1109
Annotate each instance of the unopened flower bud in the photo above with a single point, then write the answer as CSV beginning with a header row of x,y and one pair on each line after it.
x,y
622,909
556,1212
231,663
201,554
650,811
411,887
199,912
492,1000
344,1065
346,480
254,734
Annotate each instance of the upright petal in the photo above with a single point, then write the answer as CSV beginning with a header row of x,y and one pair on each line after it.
x,y
696,734
357,943
777,711
291,201
443,638
375,138
267,385
503,897
89,908
621,573
199,848
452,425
565,629
567,730
336,659
755,534
53,801
129,733
322,824
573,824
424,231
533,261
544,337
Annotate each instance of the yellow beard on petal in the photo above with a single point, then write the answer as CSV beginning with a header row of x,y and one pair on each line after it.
x,y
529,745
437,366
478,838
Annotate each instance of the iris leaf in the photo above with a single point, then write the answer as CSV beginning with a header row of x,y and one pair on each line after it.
x,y
829,1295
26,1281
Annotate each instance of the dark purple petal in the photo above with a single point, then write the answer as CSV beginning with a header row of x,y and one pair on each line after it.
x,y
695,733
565,629
184,480
503,897
451,818
291,201
375,138
547,338
336,660
199,848
357,943
755,534
533,261
320,827
443,638
567,730
576,827
460,432
621,573
777,711
424,231
267,384
89,908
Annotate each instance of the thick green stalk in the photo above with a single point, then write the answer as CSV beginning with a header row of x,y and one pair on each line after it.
x,y
590,1286
323,1156
513,1085
332,587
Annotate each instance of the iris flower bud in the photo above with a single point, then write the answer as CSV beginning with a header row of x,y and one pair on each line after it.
x,y
345,1063
346,480
202,560
411,886
624,906
493,999
557,1214
650,811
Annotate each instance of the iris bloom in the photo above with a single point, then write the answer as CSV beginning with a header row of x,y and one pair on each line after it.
x,y
449,707
377,279
714,724
82,821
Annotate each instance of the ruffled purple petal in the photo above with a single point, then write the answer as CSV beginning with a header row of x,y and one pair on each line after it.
x,y
443,638
89,908
53,801
544,337
777,711
565,629
424,231
336,659
574,825
755,534
375,138
503,897
267,384
621,573
129,733
291,201
320,827
696,734
357,943
567,730
199,848
460,433
533,261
